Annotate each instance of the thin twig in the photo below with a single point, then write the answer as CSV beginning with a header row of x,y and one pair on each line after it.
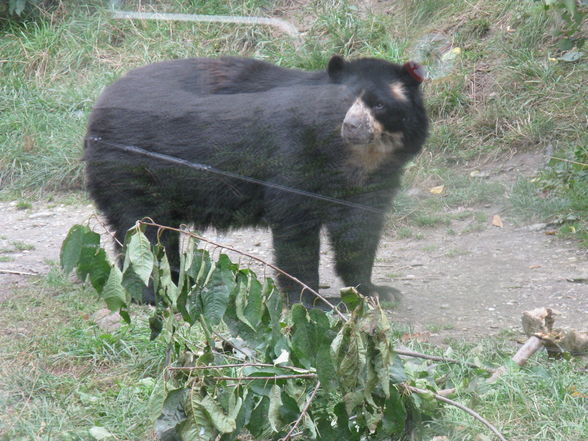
x,y
570,161
459,406
304,410
19,273
235,365
272,378
251,256
408,353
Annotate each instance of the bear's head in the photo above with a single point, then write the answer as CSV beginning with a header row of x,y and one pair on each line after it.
x,y
388,113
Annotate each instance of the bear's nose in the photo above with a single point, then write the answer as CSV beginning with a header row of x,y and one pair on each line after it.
x,y
351,125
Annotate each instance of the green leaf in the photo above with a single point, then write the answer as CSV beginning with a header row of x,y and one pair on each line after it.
x,y
259,422
241,301
244,415
302,336
95,263
156,324
71,248
133,284
172,414
215,295
351,298
289,411
325,368
186,259
395,414
113,293
343,424
138,250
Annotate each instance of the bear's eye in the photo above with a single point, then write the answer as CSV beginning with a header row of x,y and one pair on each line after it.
x,y
378,106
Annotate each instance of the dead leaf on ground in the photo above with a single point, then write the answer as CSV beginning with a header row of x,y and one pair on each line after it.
x,y
438,189
497,221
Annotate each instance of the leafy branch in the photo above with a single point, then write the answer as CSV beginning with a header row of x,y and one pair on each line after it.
x,y
242,363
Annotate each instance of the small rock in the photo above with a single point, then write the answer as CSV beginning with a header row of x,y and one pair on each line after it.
x,y
106,320
41,214
536,227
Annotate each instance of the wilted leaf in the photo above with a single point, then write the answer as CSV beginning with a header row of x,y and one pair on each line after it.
x,y
497,221
571,56
284,357
437,190
275,403
223,423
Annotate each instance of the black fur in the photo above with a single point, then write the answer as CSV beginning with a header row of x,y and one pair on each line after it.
x,y
255,119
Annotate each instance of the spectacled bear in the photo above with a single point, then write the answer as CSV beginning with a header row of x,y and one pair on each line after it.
x,y
344,132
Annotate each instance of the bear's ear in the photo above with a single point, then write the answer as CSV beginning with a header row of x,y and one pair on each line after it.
x,y
336,68
415,73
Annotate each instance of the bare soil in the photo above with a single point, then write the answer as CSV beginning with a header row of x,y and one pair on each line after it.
x,y
455,281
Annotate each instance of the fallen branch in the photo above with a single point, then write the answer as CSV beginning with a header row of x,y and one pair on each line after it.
x,y
471,412
19,273
521,357
538,325
409,353
266,378
236,365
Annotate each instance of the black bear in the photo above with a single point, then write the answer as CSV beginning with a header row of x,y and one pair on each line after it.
x,y
344,133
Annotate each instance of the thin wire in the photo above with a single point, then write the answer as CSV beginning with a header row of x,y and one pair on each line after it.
x,y
210,169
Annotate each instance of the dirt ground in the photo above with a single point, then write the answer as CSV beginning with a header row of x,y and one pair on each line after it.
x,y
456,281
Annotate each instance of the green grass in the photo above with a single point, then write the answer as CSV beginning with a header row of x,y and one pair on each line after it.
x,y
61,375
22,246
521,404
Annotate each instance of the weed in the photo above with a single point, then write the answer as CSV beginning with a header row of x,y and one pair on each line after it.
x,y
404,233
24,205
438,328
22,246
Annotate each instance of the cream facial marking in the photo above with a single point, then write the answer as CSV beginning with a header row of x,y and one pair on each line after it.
x,y
397,91
359,125
368,157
